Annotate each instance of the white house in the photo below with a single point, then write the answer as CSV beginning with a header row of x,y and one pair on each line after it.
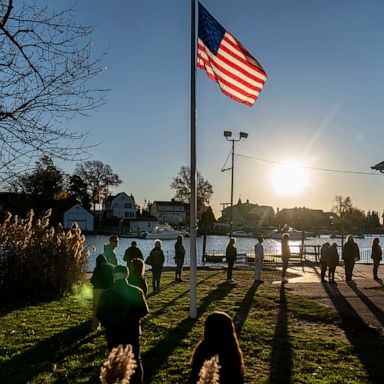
x,y
79,215
172,212
121,206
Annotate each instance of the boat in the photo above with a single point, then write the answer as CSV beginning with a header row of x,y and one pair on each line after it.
x,y
133,235
294,234
164,232
242,234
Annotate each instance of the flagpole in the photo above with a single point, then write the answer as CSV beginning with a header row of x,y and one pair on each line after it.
x,y
193,200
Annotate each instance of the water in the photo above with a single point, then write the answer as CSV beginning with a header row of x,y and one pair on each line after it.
x,y
215,244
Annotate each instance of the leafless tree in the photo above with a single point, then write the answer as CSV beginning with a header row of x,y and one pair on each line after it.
x,y
46,63
99,178
181,184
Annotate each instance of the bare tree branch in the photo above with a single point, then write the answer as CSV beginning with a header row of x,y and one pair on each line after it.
x,y
46,64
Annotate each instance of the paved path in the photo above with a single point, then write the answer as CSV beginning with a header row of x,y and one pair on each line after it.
x,y
363,299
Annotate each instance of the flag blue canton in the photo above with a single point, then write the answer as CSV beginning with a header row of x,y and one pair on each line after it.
x,y
210,31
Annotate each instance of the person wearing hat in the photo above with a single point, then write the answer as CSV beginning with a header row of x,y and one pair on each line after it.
x,y
132,252
119,311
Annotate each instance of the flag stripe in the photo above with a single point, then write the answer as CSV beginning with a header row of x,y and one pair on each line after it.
x,y
218,65
228,88
236,43
230,77
238,55
237,71
224,89
225,65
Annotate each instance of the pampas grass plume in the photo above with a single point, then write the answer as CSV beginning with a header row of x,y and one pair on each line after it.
x,y
119,367
209,372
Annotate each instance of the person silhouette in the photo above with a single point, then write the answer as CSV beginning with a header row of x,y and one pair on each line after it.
x,y
136,275
157,260
102,278
350,255
259,257
119,311
179,258
109,250
376,256
230,256
285,255
332,262
132,252
323,260
219,339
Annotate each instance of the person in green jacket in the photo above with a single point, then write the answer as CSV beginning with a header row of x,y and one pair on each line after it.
x,y
102,278
109,250
119,311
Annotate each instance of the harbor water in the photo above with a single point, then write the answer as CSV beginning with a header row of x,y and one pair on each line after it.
x,y
216,245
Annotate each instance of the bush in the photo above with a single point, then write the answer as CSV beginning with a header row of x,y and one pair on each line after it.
x,y
38,261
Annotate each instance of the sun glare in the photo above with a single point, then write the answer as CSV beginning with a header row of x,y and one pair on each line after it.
x,y
289,178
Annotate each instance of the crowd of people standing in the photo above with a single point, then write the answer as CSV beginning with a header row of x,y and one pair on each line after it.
x,y
350,253
120,297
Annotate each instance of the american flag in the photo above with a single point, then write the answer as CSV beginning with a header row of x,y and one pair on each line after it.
x,y
239,75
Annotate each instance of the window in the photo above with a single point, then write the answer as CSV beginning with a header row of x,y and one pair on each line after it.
x,y
127,205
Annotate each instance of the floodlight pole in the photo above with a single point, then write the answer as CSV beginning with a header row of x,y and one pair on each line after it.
x,y
227,135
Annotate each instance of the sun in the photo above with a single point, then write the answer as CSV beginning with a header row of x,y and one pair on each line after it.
x,y
290,178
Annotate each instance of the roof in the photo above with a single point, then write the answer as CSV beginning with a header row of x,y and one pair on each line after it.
x,y
111,198
379,167
250,211
175,203
78,206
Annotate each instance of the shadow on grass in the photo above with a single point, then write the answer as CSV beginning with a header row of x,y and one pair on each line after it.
x,y
378,313
368,343
8,306
178,297
281,355
155,356
245,307
163,288
41,358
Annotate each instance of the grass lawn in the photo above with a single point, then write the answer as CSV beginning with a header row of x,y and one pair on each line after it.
x,y
285,338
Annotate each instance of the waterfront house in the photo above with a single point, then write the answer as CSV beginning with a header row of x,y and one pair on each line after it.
x,y
172,212
248,216
121,206
81,216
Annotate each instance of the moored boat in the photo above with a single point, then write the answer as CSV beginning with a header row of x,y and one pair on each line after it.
x,y
164,232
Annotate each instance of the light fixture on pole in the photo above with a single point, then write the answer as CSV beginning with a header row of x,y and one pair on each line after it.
x,y
227,135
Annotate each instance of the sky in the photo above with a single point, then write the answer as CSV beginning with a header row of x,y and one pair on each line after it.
x,y
321,107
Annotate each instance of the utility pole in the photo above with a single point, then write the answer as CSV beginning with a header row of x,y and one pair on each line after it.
x,y
227,135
